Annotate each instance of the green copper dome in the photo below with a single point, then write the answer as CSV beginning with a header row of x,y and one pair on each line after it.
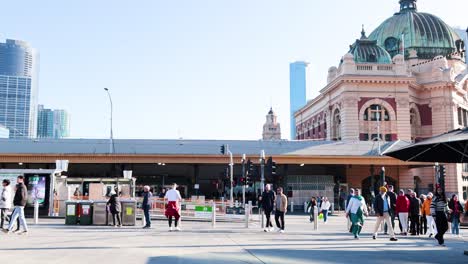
x,y
425,33
367,51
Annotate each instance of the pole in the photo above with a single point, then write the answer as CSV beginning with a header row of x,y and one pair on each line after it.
x,y
36,212
231,173
378,128
111,146
315,218
243,177
262,180
213,215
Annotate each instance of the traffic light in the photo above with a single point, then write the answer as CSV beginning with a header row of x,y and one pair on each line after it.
x,y
223,149
442,172
250,167
271,165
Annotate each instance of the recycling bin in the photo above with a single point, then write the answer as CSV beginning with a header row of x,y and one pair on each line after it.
x,y
128,212
71,214
100,215
86,212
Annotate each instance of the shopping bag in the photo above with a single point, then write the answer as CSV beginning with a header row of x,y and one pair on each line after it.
x,y
320,216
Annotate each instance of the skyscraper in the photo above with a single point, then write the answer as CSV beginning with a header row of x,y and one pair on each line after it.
x,y
18,88
297,91
52,123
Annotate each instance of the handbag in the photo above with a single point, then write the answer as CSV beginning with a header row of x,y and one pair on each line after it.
x,y
449,217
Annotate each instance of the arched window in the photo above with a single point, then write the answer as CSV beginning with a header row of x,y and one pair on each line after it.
x,y
336,125
376,113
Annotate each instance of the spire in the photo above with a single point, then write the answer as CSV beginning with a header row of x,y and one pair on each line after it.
x,y
363,33
271,111
408,5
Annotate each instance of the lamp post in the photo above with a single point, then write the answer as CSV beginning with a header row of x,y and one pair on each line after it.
x,y
111,145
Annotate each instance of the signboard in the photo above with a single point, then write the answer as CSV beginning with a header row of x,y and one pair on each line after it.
x,y
203,211
86,209
71,208
129,211
36,189
197,186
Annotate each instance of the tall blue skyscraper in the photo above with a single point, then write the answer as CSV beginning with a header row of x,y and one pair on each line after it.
x,y
297,91
18,88
52,123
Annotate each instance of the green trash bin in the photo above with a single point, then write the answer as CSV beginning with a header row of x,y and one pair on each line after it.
x,y
86,212
71,214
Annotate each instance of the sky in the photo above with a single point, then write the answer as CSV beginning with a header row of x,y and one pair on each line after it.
x,y
193,69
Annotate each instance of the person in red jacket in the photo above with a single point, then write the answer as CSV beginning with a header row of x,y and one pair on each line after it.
x,y
402,209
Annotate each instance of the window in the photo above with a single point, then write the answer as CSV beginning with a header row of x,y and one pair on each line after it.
x,y
365,137
376,113
388,137
465,167
375,137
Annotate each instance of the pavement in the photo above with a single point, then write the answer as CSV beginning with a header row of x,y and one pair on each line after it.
x,y
53,242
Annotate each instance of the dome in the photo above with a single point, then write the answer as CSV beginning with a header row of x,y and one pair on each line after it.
x,y
367,51
425,33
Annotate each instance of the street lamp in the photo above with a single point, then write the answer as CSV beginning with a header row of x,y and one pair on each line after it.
x,y
111,146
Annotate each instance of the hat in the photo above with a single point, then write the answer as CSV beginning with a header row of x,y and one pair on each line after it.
x,y
383,189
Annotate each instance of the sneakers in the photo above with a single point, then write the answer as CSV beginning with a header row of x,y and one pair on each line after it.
x,y
146,227
356,237
281,231
22,233
393,239
6,231
374,237
171,229
177,229
271,229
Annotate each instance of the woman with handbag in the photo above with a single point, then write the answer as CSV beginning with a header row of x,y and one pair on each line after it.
x,y
115,207
456,211
310,208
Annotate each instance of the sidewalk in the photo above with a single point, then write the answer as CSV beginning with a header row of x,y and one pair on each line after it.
x,y
53,242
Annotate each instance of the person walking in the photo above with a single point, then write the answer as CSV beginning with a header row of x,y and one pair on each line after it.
x,y
439,211
115,207
382,207
426,211
162,194
281,207
350,195
422,219
173,207
311,208
268,203
456,211
5,202
356,210
414,213
402,209
393,198
146,205
19,201
324,209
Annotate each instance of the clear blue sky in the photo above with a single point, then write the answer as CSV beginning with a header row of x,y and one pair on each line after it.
x,y
199,69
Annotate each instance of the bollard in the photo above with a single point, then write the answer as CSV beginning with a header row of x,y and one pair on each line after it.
x,y
305,207
332,209
213,215
36,212
247,215
292,207
316,220
260,212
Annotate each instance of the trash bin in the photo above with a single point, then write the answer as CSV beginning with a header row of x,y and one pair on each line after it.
x,y
128,212
100,213
71,214
86,215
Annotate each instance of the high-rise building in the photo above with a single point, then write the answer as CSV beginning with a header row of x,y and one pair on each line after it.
x,y
297,91
52,123
4,132
271,128
18,88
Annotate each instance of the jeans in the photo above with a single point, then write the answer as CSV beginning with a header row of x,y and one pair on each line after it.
x,y
116,215
268,218
423,225
414,224
147,216
311,215
18,213
279,219
176,221
325,215
455,225
3,217
442,226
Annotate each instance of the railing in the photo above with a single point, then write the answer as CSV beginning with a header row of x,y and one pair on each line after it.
x,y
374,67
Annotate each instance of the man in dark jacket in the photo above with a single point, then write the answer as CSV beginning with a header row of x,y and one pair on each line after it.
x,y
268,203
382,208
414,214
393,198
146,205
19,202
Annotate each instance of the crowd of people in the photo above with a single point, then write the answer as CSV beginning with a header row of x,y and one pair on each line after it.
x,y
424,215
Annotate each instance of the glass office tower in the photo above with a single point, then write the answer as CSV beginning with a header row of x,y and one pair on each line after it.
x,y
297,91
18,88
52,123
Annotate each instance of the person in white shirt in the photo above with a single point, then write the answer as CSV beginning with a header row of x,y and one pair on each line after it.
x,y
5,201
356,210
173,206
324,208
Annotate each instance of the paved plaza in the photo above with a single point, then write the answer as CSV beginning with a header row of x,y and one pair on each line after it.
x,y
53,242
